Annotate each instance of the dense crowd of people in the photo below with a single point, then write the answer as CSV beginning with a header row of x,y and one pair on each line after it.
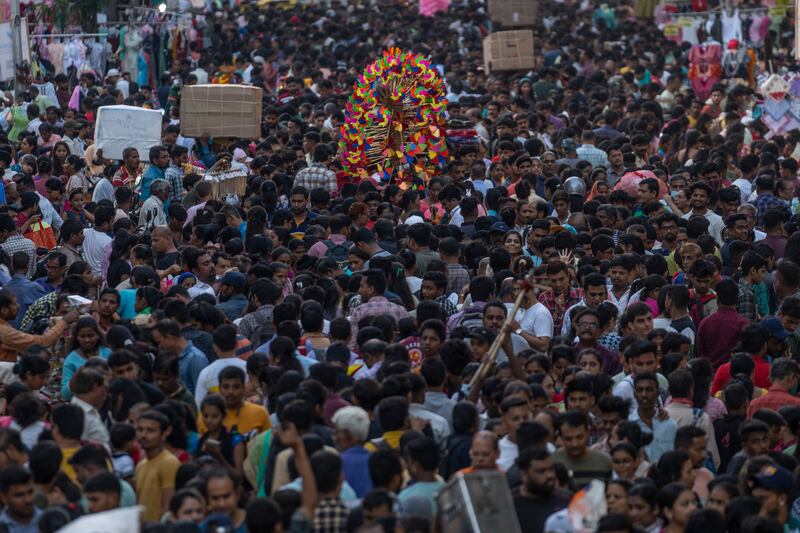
x,y
602,284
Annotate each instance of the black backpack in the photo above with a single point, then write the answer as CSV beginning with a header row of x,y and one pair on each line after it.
x,y
470,319
338,252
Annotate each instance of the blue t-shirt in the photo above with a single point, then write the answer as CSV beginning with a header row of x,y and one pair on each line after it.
x,y
424,489
72,363
127,304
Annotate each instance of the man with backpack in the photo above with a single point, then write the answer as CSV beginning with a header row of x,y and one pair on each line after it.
x,y
336,246
257,326
481,291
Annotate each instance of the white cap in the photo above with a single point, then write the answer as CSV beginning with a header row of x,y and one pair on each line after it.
x,y
414,219
239,155
112,73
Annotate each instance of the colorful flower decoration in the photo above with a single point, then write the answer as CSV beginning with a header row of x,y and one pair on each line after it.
x,y
222,79
394,121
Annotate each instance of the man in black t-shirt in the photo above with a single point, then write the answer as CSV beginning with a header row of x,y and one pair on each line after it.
x,y
164,248
538,496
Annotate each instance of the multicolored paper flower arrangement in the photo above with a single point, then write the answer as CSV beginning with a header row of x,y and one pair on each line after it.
x,y
394,121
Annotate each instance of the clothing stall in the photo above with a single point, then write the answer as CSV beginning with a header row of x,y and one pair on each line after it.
x,y
726,40
145,45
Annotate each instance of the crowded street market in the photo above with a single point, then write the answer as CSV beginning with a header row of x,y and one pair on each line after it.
x,y
529,266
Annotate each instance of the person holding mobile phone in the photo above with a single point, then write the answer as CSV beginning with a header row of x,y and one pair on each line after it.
x,y
226,446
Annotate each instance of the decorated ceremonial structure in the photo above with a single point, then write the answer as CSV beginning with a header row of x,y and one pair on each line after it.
x,y
394,121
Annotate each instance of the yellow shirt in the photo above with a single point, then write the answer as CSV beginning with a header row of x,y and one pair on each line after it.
x,y
392,438
249,417
66,455
153,476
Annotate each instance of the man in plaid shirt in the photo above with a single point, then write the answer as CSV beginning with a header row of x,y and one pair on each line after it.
x,y
754,267
457,275
179,156
765,199
330,516
590,153
13,242
561,295
372,289
434,284
318,175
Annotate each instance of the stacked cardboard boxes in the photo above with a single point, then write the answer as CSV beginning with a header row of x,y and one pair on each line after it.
x,y
508,50
511,14
511,47
231,111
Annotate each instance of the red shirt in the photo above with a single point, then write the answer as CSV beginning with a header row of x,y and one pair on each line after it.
x,y
718,334
774,399
760,378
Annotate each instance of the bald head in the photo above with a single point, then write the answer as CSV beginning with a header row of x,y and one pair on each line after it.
x,y
484,451
486,437
161,231
161,240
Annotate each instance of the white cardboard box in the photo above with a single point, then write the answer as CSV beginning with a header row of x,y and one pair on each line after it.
x,y
122,126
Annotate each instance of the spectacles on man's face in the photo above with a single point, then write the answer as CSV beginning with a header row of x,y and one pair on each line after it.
x,y
588,325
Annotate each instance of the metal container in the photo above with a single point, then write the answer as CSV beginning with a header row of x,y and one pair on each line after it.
x,y
479,502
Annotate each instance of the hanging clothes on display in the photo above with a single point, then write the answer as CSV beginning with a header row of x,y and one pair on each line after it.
x,y
141,77
131,43
56,53
100,52
74,55
731,26
705,68
759,27
735,62
689,29
714,28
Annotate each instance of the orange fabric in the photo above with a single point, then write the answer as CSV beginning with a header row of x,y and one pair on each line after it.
x,y
42,235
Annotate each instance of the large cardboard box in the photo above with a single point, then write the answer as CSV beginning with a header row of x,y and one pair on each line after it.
x,y
122,126
508,50
221,111
513,13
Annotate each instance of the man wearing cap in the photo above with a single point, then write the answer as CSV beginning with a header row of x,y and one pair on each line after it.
x,y
233,302
113,76
776,342
481,339
255,68
318,175
569,147
784,375
773,487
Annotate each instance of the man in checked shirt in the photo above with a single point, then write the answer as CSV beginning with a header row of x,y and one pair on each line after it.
x,y
318,175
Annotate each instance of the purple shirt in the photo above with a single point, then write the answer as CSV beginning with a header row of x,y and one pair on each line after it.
x,y
333,403
611,363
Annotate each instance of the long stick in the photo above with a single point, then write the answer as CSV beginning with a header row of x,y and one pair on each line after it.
x,y
491,355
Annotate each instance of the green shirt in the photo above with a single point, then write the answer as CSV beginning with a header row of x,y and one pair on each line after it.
x,y
594,465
